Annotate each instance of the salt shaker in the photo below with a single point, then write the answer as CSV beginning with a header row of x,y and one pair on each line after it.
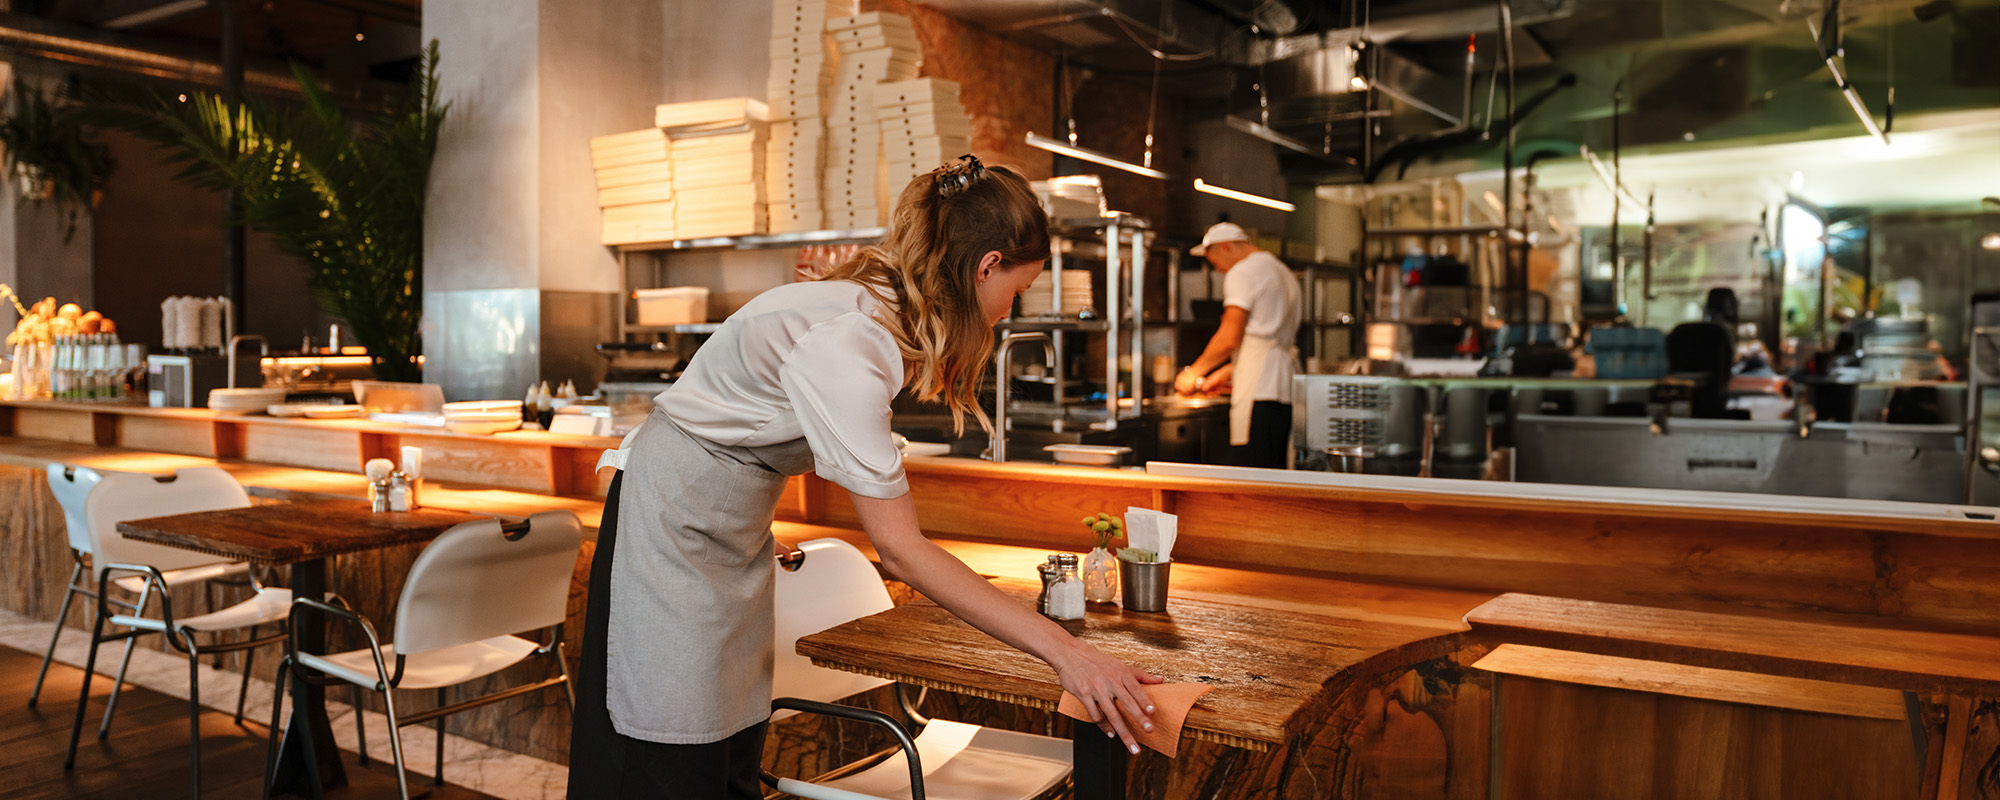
x,y
1048,571
1066,594
399,491
378,494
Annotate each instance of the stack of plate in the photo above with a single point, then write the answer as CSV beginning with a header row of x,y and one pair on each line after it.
x,y
483,416
244,401
1039,299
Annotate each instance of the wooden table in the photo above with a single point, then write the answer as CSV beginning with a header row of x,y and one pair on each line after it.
x,y
1961,666
303,535
1275,673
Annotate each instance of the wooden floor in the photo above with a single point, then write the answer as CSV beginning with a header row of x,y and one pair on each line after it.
x,y
146,754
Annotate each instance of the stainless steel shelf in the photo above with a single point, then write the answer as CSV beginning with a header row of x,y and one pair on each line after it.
x,y
701,327
764,241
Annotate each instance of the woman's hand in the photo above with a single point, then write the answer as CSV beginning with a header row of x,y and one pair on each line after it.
x,y
1109,689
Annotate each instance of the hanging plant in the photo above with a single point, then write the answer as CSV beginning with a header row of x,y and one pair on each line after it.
x,y
343,193
50,157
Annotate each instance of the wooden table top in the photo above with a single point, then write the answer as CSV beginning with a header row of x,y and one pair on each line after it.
x,y
287,533
1826,647
1273,671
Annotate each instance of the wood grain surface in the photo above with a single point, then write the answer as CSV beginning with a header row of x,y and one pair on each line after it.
x,y
1270,669
287,533
1729,686
1843,650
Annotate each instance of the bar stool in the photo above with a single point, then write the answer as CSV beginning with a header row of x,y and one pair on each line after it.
x,y
71,485
470,591
123,496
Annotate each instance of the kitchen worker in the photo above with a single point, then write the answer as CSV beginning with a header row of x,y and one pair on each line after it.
x,y
674,693
1254,350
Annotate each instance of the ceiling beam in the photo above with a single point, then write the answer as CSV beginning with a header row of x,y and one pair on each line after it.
x,y
129,15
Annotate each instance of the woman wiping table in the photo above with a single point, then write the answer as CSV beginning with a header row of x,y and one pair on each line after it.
x,y
674,692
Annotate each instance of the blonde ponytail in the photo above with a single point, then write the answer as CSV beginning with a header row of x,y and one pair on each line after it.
x,y
925,272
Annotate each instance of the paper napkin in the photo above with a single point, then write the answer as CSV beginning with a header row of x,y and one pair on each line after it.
x,y
1171,702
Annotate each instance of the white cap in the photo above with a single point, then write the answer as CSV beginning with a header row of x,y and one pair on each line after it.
x,y
1218,233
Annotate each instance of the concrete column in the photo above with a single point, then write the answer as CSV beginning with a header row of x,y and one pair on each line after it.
x,y
517,288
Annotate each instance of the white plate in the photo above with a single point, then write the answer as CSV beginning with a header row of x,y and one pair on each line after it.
x,y
328,411
461,426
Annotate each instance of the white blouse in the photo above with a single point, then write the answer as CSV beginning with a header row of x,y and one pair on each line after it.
x,y
802,360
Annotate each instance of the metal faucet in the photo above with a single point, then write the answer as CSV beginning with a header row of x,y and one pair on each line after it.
x,y
1003,375
263,344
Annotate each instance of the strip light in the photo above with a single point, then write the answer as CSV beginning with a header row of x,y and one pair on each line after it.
x,y
1246,197
1093,156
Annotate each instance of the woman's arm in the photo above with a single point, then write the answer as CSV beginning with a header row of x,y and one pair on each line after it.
x,y
1103,683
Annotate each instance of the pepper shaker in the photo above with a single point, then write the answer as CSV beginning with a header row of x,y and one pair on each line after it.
x,y
1049,571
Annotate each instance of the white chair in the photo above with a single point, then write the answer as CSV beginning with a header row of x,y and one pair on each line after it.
x,y
124,496
71,485
833,583
469,591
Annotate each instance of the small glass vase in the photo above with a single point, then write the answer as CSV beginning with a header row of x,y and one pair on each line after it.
x,y
1100,576
32,362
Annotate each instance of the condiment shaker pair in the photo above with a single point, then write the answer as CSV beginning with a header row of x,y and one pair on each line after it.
x,y
1062,590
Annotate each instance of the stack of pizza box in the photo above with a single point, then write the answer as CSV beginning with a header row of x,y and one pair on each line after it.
x,y
801,69
874,48
923,126
718,149
635,172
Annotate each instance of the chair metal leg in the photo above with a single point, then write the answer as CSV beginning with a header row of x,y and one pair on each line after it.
x,y
360,730
111,704
243,690
83,696
569,684
194,716
396,745
62,616
277,719
437,777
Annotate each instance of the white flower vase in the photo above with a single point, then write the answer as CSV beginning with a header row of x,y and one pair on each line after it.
x,y
1100,576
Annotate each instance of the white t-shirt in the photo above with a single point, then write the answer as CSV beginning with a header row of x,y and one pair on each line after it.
x,y
802,360
1262,285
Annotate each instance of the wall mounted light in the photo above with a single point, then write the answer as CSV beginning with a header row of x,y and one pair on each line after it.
x,y
1203,186
1094,156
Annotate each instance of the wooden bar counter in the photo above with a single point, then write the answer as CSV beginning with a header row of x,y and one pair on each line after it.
x,y
1409,556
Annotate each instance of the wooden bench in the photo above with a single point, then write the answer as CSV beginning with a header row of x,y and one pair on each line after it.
x,y
1754,646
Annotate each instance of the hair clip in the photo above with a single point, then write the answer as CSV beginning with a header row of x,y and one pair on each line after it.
x,y
953,178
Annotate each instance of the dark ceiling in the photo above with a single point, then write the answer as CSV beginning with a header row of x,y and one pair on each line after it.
x,y
1687,70
356,45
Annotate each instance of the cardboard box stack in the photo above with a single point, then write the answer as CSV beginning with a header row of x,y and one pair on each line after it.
x,y
718,149
801,69
923,126
635,173
874,48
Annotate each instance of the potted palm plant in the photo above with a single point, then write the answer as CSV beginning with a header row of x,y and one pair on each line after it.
x,y
48,153
342,191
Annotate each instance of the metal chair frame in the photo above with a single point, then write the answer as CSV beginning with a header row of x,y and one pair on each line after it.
x,y
386,680
181,639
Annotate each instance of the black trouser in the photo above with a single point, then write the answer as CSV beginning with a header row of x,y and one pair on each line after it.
x,y
604,763
1270,436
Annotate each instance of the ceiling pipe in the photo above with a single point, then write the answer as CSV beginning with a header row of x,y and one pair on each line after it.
x,y
29,37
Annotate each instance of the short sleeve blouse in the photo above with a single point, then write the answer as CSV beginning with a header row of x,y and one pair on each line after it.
x,y
802,360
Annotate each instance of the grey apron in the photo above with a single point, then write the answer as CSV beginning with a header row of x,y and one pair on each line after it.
x,y
689,645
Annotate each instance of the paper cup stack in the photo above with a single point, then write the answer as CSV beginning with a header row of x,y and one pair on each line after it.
x,y
874,48
923,126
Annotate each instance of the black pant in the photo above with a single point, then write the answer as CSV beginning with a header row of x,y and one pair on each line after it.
x,y
604,763
1270,437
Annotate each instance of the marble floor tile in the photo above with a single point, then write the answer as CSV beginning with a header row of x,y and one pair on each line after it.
x,y
473,765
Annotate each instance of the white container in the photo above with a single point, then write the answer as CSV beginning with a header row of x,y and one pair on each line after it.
x,y
675,305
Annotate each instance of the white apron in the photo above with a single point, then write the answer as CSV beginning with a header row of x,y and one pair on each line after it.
x,y
1252,358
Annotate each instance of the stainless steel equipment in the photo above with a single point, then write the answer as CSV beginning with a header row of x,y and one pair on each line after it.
x,y
184,381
